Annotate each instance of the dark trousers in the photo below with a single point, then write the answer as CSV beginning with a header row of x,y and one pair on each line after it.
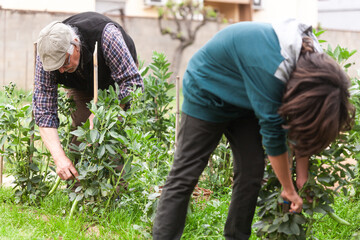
x,y
81,113
197,140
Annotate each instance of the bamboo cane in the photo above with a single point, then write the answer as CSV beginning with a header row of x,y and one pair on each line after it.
x,y
1,166
95,74
177,109
32,113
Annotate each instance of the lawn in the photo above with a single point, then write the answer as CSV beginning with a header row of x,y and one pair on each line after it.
x,y
205,220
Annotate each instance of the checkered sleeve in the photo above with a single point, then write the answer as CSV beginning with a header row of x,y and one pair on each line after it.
x,y
122,66
45,97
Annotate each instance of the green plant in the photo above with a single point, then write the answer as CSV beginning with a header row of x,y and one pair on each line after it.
x,y
17,139
218,176
137,140
153,108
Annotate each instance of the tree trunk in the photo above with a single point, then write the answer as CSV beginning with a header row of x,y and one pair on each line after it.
x,y
176,62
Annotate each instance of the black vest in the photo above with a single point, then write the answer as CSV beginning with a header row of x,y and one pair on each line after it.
x,y
90,26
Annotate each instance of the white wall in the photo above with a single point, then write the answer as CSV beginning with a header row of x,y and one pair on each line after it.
x,y
137,8
275,10
272,10
340,14
69,6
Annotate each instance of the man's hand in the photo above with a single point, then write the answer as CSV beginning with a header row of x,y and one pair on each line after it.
x,y
65,169
280,164
295,199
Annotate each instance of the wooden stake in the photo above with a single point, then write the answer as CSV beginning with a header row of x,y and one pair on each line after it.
x,y
95,74
32,113
1,166
177,89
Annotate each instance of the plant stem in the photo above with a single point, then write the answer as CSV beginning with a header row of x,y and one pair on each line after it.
x,y
56,184
117,183
73,207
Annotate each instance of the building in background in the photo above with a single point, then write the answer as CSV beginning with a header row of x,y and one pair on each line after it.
x,y
21,21
340,15
69,6
340,20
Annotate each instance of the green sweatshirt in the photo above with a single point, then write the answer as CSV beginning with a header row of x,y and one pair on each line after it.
x,y
244,67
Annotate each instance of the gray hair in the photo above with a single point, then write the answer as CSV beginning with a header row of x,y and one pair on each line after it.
x,y
74,36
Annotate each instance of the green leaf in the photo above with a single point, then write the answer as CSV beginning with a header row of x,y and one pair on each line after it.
x,y
36,179
294,228
285,228
110,149
78,132
23,179
79,197
319,210
34,167
78,189
347,65
125,99
285,218
115,135
82,147
91,191
3,140
299,219
94,135
266,227
101,151
324,179
102,136
72,196
259,224
273,228
32,196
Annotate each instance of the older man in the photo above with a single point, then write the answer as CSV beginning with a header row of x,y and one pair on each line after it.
x,y
65,57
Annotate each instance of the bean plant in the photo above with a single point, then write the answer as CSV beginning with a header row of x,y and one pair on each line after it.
x,y
122,143
218,176
17,137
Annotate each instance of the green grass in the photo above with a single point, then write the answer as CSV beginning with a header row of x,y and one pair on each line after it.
x,y
50,221
206,219
349,210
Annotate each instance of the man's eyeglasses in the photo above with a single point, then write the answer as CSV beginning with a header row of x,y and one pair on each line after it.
x,y
67,61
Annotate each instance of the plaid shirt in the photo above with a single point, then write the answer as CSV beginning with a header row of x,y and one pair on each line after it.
x,y
117,57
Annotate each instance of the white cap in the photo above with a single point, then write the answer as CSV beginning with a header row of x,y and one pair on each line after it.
x,y
53,44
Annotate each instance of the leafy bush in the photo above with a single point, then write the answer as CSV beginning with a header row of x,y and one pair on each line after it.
x,y
17,138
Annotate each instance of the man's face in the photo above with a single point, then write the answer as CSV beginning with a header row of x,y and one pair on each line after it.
x,y
71,61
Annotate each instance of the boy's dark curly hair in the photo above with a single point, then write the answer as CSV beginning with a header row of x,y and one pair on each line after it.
x,y
316,105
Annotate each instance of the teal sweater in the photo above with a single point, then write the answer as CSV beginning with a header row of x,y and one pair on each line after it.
x,y
234,73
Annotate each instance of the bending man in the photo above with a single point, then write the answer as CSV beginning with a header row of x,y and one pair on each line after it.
x,y
254,82
65,56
